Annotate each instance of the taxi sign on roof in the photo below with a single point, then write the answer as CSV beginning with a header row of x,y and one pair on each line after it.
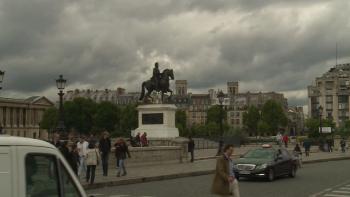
x,y
266,146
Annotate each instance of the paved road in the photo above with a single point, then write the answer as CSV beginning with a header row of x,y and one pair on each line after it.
x,y
329,179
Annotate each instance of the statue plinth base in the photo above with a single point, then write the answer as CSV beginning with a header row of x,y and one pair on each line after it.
x,y
157,120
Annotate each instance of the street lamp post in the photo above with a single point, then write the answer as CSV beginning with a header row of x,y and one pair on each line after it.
x,y
320,109
61,83
2,73
221,97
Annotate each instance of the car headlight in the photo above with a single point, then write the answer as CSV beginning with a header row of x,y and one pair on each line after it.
x,y
262,166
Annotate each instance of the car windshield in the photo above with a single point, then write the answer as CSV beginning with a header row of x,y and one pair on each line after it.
x,y
260,154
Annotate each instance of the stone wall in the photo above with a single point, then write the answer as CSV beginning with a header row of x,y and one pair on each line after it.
x,y
152,155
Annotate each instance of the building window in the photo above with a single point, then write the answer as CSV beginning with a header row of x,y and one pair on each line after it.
x,y
329,99
329,106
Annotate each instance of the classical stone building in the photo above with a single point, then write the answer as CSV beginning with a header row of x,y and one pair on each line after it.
x,y
199,105
119,96
331,91
21,117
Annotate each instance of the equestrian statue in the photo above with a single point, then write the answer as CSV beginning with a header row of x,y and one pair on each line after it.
x,y
159,83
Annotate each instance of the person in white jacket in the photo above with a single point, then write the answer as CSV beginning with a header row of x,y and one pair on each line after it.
x,y
82,146
92,160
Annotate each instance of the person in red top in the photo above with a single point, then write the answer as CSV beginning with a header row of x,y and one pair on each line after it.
x,y
285,140
144,141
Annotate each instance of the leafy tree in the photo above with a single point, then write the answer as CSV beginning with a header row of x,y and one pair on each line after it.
x,y
128,120
50,119
180,122
106,117
216,114
263,127
344,131
79,115
313,126
273,114
251,119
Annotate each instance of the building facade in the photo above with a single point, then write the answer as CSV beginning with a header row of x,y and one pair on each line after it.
x,y
331,91
119,96
22,117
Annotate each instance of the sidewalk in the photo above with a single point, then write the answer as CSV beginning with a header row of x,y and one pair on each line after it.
x,y
202,166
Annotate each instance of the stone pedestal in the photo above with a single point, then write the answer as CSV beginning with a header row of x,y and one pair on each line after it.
x,y
157,120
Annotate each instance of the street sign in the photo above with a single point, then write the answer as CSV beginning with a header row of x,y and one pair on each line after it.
x,y
325,130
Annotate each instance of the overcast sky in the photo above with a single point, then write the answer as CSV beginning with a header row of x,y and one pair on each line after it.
x,y
265,45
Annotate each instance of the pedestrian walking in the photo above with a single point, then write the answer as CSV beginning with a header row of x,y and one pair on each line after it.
x,y
191,146
64,150
225,183
105,148
285,140
74,158
298,154
307,145
330,145
279,139
342,145
121,152
92,160
82,150
144,141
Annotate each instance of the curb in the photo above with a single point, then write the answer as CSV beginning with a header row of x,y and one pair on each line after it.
x,y
326,160
147,179
181,175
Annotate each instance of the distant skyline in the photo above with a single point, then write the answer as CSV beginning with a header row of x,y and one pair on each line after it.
x,y
279,46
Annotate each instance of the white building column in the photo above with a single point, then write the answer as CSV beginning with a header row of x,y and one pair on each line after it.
x,y
8,117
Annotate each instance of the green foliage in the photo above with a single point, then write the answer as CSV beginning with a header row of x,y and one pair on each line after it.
x,y
79,115
313,126
50,119
273,115
344,131
251,119
180,122
263,127
85,116
106,117
128,120
216,114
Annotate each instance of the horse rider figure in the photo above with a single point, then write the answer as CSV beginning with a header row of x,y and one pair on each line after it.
x,y
156,76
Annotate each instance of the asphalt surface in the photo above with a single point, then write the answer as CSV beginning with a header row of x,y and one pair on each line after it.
x,y
319,179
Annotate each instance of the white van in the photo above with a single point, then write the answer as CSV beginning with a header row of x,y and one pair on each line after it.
x,y
35,168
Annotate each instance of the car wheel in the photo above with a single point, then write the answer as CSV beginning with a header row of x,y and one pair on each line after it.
x,y
293,172
271,175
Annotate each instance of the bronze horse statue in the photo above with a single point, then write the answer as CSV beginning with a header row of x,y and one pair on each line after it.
x,y
163,85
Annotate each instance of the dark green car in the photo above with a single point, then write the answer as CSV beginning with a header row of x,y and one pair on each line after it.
x,y
266,162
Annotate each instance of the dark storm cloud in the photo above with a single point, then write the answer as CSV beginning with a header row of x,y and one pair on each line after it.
x,y
265,45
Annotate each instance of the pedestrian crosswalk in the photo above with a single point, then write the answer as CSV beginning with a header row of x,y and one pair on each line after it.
x,y
338,191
